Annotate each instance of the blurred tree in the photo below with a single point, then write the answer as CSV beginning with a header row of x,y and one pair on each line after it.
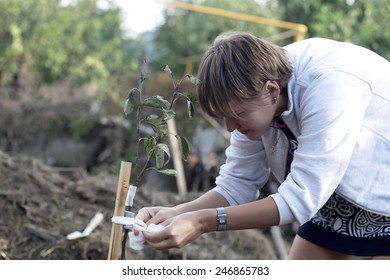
x,y
12,50
78,41
363,22
82,40
187,33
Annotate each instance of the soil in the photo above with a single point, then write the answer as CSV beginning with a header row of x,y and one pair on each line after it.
x,y
40,205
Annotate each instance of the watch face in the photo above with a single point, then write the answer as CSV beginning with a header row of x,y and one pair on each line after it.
x,y
222,219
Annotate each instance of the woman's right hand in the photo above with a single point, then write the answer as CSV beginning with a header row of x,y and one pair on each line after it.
x,y
156,215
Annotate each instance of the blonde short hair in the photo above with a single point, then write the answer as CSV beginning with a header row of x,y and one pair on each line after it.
x,y
234,70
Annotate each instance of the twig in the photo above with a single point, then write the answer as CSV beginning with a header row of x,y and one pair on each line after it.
x,y
4,255
41,233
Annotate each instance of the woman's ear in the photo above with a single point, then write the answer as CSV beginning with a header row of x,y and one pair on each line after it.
x,y
272,88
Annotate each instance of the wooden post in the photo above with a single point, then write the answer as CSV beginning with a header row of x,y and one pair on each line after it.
x,y
121,195
177,159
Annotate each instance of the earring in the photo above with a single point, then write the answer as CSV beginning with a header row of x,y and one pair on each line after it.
x,y
274,100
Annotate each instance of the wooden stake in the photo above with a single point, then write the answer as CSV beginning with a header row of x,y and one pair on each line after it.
x,y
177,159
121,195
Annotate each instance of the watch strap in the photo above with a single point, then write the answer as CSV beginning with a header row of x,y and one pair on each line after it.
x,y
221,219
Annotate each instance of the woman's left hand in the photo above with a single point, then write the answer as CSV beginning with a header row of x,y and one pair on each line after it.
x,y
178,231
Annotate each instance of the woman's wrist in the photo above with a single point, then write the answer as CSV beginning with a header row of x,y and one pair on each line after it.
x,y
181,208
208,220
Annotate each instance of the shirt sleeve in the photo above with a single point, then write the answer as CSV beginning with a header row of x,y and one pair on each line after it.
x,y
244,172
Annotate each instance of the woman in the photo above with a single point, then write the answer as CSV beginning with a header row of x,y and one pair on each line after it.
x,y
314,113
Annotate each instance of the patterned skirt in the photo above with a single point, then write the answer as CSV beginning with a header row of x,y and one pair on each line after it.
x,y
343,227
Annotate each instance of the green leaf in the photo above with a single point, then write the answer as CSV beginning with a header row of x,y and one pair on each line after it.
x,y
184,147
149,143
162,130
160,151
189,96
194,80
165,148
157,102
169,172
159,156
167,70
130,102
168,114
158,124
155,120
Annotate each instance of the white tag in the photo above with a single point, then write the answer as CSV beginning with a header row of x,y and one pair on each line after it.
x,y
130,195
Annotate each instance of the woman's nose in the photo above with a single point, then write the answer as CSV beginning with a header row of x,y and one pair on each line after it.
x,y
231,125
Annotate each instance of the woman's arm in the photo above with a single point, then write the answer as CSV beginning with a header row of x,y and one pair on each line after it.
x,y
157,215
211,199
184,228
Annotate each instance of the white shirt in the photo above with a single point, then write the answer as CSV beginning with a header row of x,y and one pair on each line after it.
x,y
339,110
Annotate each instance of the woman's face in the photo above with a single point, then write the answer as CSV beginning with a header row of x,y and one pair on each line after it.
x,y
254,122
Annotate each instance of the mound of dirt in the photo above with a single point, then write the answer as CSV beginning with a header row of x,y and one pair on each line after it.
x,y
40,205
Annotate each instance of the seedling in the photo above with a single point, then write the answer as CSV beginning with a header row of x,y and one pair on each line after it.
x,y
158,153
153,144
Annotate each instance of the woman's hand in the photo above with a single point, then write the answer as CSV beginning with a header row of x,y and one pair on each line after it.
x,y
156,215
179,231
184,222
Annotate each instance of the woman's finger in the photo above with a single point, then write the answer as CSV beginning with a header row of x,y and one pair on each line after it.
x,y
162,240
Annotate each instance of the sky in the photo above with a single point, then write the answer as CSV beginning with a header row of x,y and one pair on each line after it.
x,y
140,15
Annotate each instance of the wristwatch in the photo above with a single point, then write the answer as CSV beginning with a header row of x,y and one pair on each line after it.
x,y
221,219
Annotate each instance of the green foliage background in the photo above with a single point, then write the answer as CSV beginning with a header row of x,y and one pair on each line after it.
x,y
81,42
77,42
363,22
47,46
